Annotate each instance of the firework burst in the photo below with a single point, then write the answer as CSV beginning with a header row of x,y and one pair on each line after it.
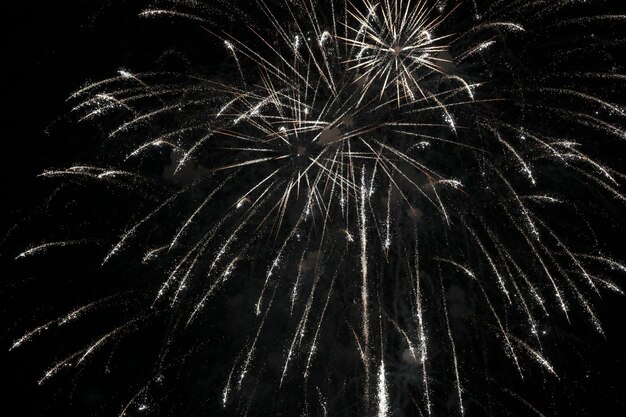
x,y
378,179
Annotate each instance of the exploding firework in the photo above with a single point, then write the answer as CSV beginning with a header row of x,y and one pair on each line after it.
x,y
381,183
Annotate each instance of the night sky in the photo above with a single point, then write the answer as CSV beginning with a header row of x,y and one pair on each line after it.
x,y
52,48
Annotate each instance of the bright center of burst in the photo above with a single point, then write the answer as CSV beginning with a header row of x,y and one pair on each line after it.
x,y
331,135
396,51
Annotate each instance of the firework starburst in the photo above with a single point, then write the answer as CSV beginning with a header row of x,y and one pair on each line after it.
x,y
375,177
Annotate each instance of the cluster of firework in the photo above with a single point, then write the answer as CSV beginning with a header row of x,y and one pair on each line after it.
x,y
383,181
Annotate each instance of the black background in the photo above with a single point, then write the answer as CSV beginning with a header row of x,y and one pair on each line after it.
x,y
51,48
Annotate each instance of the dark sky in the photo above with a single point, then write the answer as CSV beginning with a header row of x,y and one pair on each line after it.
x,y
51,48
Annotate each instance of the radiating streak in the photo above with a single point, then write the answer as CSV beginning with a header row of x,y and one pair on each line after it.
x,y
173,13
145,117
608,261
60,321
276,261
319,328
493,25
228,271
383,396
226,390
588,19
233,236
573,258
470,52
143,390
130,233
106,337
107,81
526,169
557,290
41,248
198,210
587,97
419,309
157,142
387,242
363,260
407,339
492,264
504,333
521,206
459,390
250,354
514,395
250,162
535,355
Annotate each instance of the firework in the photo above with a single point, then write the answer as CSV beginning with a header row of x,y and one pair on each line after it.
x,y
365,161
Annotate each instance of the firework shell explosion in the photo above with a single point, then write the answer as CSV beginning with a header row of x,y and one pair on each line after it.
x,y
378,208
